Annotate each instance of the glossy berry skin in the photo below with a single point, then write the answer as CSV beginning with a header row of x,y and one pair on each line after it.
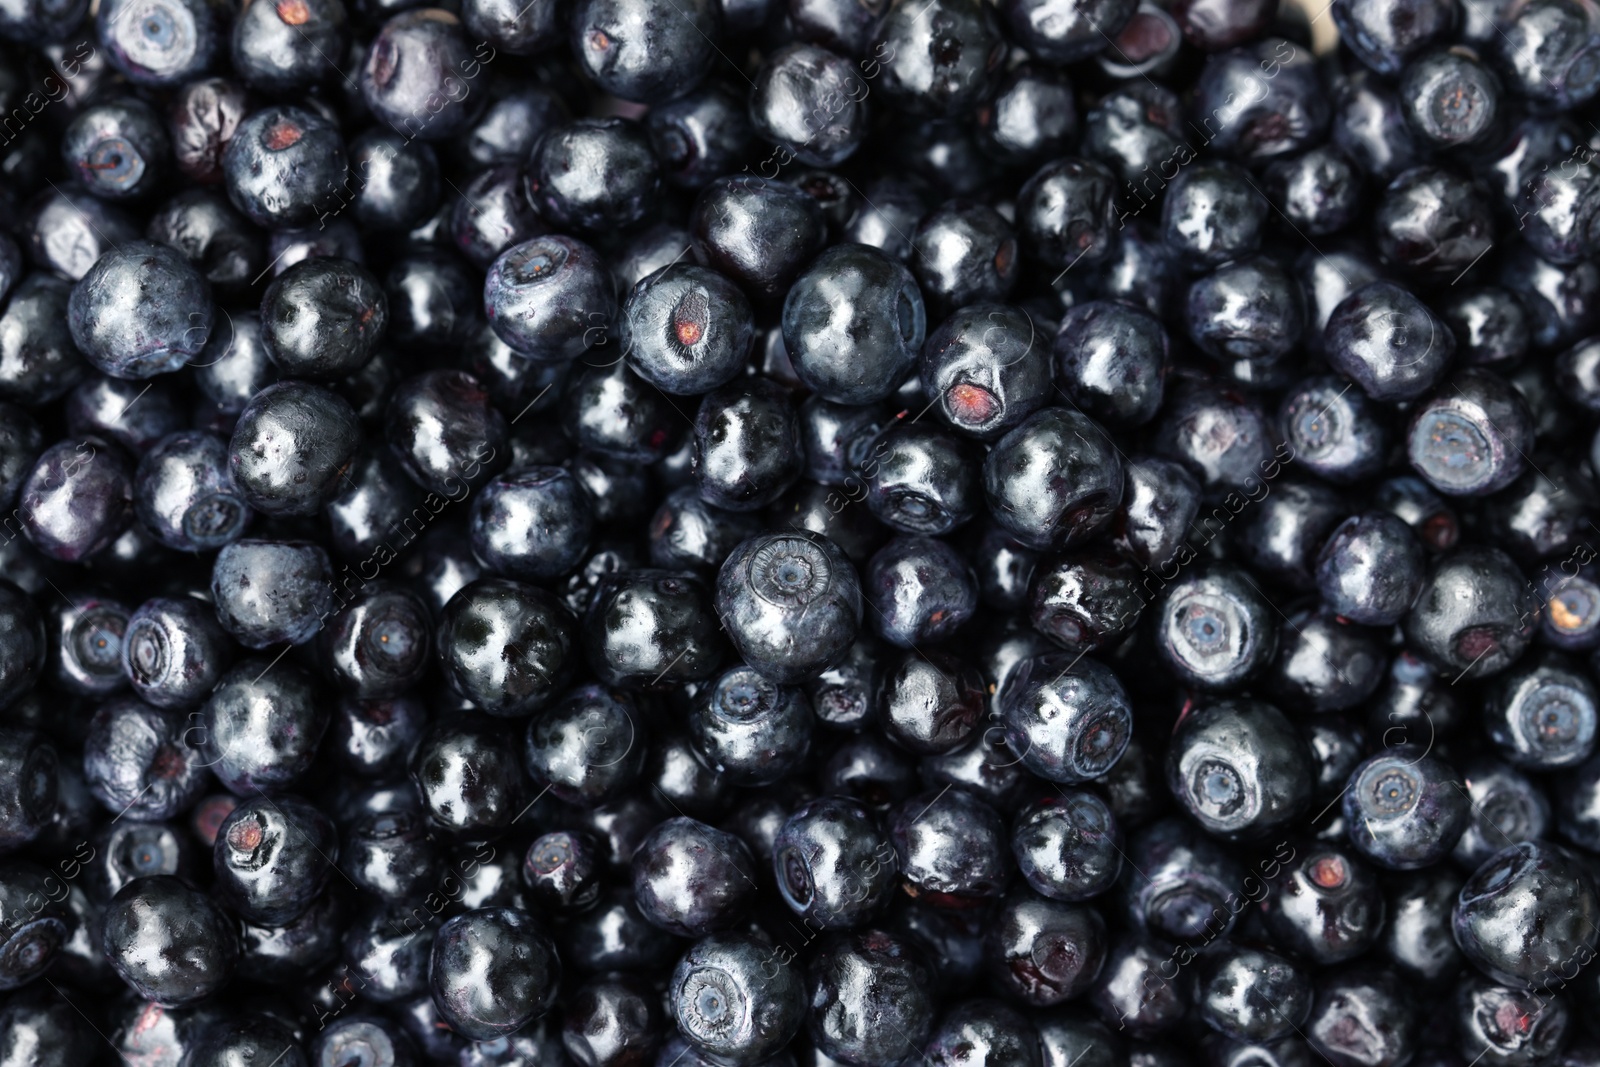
x,y
95,408
549,298
1472,617
1472,437
445,432
672,610
1215,630
259,728
1336,433
589,748
1211,214
687,329
1065,32
137,761
872,998
643,50
759,233
285,166
1066,214
374,738
594,174
1489,324
399,180
700,136
692,879
1433,221
920,590
1388,342
492,971
562,871
1111,360
853,324
1323,904
1519,1028
1239,768
270,592
184,494
923,480
931,77
1054,481
612,1022
506,646
283,51
84,638
416,75
532,523
1160,499
791,604
161,45
1350,1002
1384,34
174,651
988,368
1404,811
141,310
272,858
1450,99
951,847
833,864
1248,314
470,781
613,411
983,1031
749,729
965,252
168,942
1371,569
76,500
1319,191
1253,995
323,318
1325,663
1507,809
290,447
1525,913
32,787
1067,720
747,448
737,999
1044,952
1068,847
1032,116
1541,714
929,703
800,84
379,644
1253,126
117,149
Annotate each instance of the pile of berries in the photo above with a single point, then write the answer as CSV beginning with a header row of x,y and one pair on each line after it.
x,y
799,533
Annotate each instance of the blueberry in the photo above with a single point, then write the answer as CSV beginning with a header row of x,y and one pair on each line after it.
x,y
470,781
169,943
920,590
38,926
1044,952
1065,214
174,651
158,43
1319,191
282,48
1371,569
1215,628
117,149
323,318
791,604
518,28
285,166
291,447
1239,768
1450,98
379,644
871,998
202,116
692,879
492,971
1247,314
1417,936
688,329
272,858
1323,903
751,729
417,74
1066,32
747,449
1435,222
853,324
506,646
983,1032
1055,480
1520,1028
1032,116
446,433
613,1022
648,628
759,233
930,704
562,870
269,592
138,761
800,85
1253,995
645,50
1111,359
1376,1002
987,368
1540,715
1253,118
1474,615
964,50
737,999
260,727
1326,663
1338,434
1404,811
1471,437
77,499
951,847
141,310
549,298
362,1038
533,523
596,174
